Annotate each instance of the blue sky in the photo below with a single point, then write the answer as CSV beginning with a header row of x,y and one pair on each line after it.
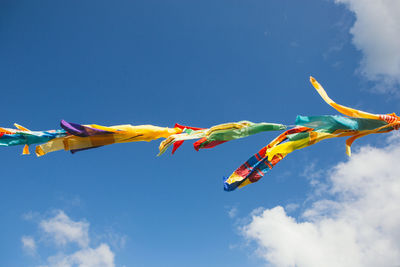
x,y
194,63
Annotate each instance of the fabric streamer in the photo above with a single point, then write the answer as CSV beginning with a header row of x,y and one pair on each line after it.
x,y
219,134
82,137
308,130
23,136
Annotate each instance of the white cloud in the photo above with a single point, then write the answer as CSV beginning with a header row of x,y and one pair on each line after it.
x,y
101,256
63,230
29,244
376,32
232,212
291,207
357,223
30,216
116,240
60,230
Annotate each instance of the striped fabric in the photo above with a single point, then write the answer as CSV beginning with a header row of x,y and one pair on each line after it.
x,y
260,163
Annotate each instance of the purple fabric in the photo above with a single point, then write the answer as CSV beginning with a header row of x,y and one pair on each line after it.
x,y
81,130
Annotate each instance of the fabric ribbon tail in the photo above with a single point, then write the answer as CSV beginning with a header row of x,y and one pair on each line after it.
x,y
39,151
164,145
20,127
383,129
25,150
350,141
176,145
340,108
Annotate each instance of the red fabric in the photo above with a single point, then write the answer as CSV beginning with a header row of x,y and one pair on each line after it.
x,y
177,144
203,143
276,159
1,134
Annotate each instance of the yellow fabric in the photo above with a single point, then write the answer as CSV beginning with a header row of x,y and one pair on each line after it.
x,y
275,147
180,137
342,109
356,114
51,146
226,126
121,134
290,146
286,148
350,141
39,151
6,131
246,182
25,151
22,128
104,128
143,133
236,178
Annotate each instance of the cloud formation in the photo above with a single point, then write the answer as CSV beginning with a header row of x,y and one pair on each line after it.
x,y
376,32
357,223
29,244
61,231
101,256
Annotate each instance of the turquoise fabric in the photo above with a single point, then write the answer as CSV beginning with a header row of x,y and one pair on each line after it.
x,y
330,123
28,138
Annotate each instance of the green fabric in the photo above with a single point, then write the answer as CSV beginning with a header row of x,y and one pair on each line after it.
x,y
252,128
